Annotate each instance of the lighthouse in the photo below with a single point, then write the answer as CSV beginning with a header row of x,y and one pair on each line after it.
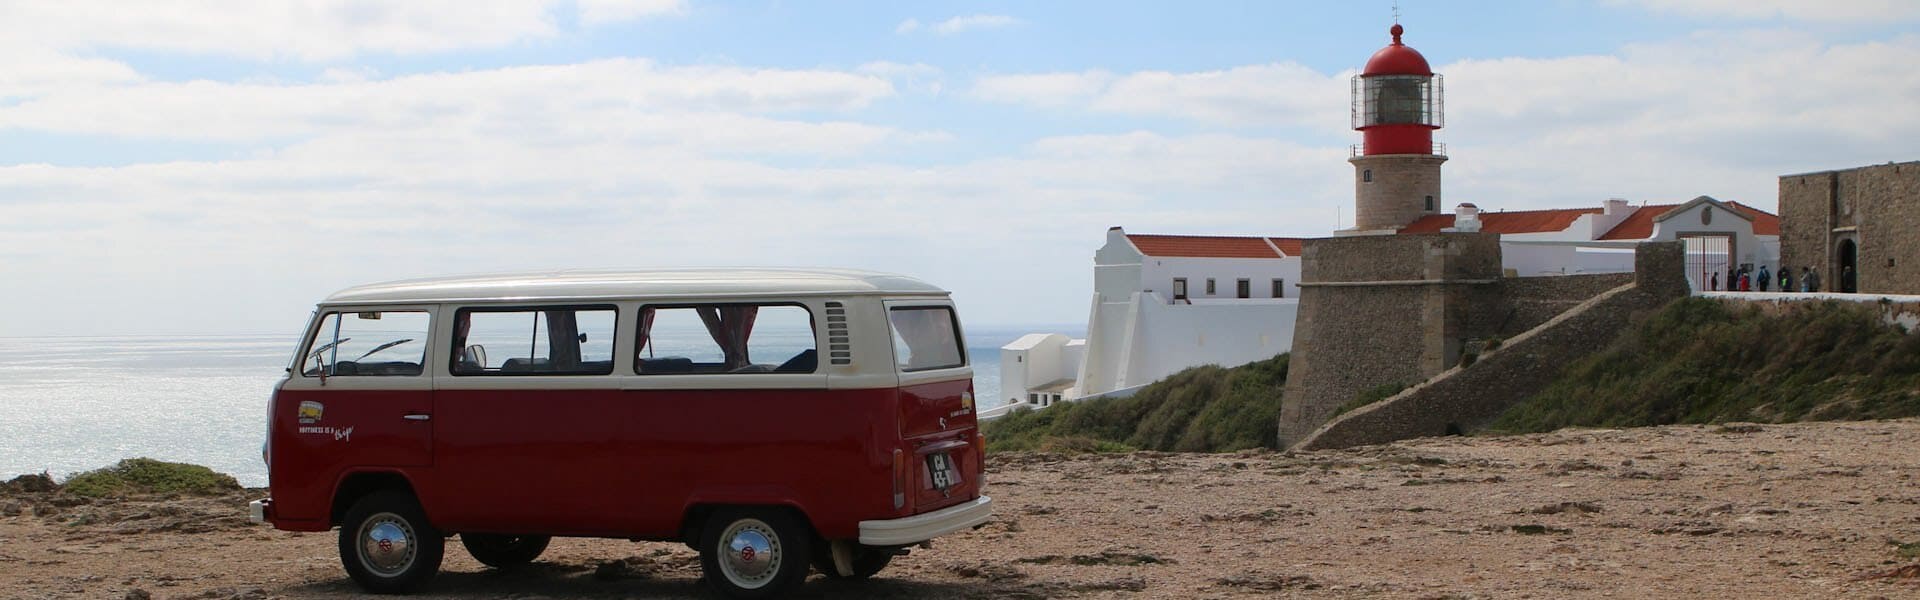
x,y
1397,104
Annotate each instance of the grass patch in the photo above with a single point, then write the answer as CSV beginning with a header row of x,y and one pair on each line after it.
x,y
149,476
1704,361
1202,409
1378,393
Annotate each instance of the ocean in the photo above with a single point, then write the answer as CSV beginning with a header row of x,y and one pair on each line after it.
x,y
70,404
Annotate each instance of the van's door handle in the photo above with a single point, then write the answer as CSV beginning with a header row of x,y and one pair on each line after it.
x,y
417,417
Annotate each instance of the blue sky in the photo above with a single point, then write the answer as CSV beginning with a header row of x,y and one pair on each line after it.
x,y
170,169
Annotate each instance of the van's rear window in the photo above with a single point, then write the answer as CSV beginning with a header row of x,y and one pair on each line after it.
x,y
925,337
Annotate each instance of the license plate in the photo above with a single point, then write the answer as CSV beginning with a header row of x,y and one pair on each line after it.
x,y
941,469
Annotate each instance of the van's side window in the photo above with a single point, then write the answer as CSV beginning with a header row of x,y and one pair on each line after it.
x,y
559,340
365,344
725,338
925,337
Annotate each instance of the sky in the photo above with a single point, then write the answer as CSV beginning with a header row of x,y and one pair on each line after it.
x,y
194,167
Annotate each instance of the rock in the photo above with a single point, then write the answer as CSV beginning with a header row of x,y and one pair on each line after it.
x,y
37,483
138,594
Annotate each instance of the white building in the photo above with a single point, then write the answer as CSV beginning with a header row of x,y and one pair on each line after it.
x,y
1161,304
1718,235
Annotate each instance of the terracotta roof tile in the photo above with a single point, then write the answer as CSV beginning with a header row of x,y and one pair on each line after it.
x,y
1202,246
1513,221
1289,246
1639,225
1764,223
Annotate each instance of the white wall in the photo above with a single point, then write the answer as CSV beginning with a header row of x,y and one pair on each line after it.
x,y
1157,274
1173,337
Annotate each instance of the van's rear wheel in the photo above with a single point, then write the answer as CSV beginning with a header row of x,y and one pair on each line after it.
x,y
867,561
387,545
504,551
754,552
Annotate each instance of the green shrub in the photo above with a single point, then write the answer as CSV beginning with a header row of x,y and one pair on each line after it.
x,y
1376,394
1202,409
1703,361
149,476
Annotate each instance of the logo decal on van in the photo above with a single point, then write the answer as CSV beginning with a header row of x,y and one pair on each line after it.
x,y
310,411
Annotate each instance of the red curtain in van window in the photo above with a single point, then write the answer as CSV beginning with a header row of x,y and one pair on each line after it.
x,y
646,329
730,327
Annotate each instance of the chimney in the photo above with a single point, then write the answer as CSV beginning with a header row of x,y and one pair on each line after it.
x,y
1466,217
1617,206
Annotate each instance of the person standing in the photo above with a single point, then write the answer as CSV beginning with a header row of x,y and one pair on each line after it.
x,y
1811,280
1713,282
1786,279
1761,279
1746,281
1848,281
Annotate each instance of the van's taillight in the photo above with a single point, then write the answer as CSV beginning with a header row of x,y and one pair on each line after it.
x,y
899,479
980,461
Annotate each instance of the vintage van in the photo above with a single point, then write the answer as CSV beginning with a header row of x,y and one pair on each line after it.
x,y
774,420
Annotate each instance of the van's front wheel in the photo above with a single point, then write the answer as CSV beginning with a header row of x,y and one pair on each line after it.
x,y
504,551
754,553
387,545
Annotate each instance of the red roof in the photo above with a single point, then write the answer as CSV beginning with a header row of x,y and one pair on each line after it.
x,y
1764,223
1515,221
1397,59
1639,225
1202,246
1289,246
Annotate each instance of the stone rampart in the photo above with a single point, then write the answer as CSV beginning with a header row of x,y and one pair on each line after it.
x,y
1381,310
1465,398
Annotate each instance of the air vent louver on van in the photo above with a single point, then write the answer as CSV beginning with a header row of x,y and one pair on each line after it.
x,y
839,350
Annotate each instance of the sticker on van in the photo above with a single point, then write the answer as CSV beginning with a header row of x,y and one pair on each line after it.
x,y
310,411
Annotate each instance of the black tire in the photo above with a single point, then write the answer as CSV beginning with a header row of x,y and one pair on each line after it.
x,y
867,562
394,517
504,551
736,572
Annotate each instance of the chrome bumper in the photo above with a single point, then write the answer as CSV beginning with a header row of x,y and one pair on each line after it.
x,y
920,528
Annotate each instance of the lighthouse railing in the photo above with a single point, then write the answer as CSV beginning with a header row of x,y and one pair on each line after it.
x,y
1359,150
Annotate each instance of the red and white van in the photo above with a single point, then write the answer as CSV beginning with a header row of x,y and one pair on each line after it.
x,y
774,420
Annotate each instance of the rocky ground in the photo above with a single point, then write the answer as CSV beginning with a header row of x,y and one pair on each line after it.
x,y
1821,510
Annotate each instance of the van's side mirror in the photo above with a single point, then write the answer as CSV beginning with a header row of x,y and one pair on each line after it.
x,y
476,354
583,338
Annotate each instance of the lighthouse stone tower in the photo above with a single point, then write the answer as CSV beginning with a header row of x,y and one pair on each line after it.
x,y
1397,105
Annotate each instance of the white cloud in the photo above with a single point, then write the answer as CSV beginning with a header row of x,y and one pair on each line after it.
x,y
601,12
1284,93
958,24
310,30
604,97
1837,11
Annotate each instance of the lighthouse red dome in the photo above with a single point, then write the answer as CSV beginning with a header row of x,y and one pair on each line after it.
x,y
1397,59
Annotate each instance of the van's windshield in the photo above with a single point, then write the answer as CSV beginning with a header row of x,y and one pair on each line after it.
x,y
925,337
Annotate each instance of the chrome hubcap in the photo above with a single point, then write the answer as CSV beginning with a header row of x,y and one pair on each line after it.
x,y
749,553
386,544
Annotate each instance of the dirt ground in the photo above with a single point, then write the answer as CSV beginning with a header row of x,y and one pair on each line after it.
x,y
1826,510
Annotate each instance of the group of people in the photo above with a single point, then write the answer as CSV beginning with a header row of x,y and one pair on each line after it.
x,y
1744,279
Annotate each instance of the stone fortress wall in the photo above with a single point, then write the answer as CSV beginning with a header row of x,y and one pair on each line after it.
x,y
1400,310
1876,207
1467,397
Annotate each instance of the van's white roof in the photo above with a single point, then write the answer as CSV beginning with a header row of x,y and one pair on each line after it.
x,y
641,283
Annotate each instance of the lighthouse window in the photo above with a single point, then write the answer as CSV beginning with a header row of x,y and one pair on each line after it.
x,y
1366,175
1429,202
1399,99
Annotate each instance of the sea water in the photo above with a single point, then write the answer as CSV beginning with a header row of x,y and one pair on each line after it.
x,y
70,404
